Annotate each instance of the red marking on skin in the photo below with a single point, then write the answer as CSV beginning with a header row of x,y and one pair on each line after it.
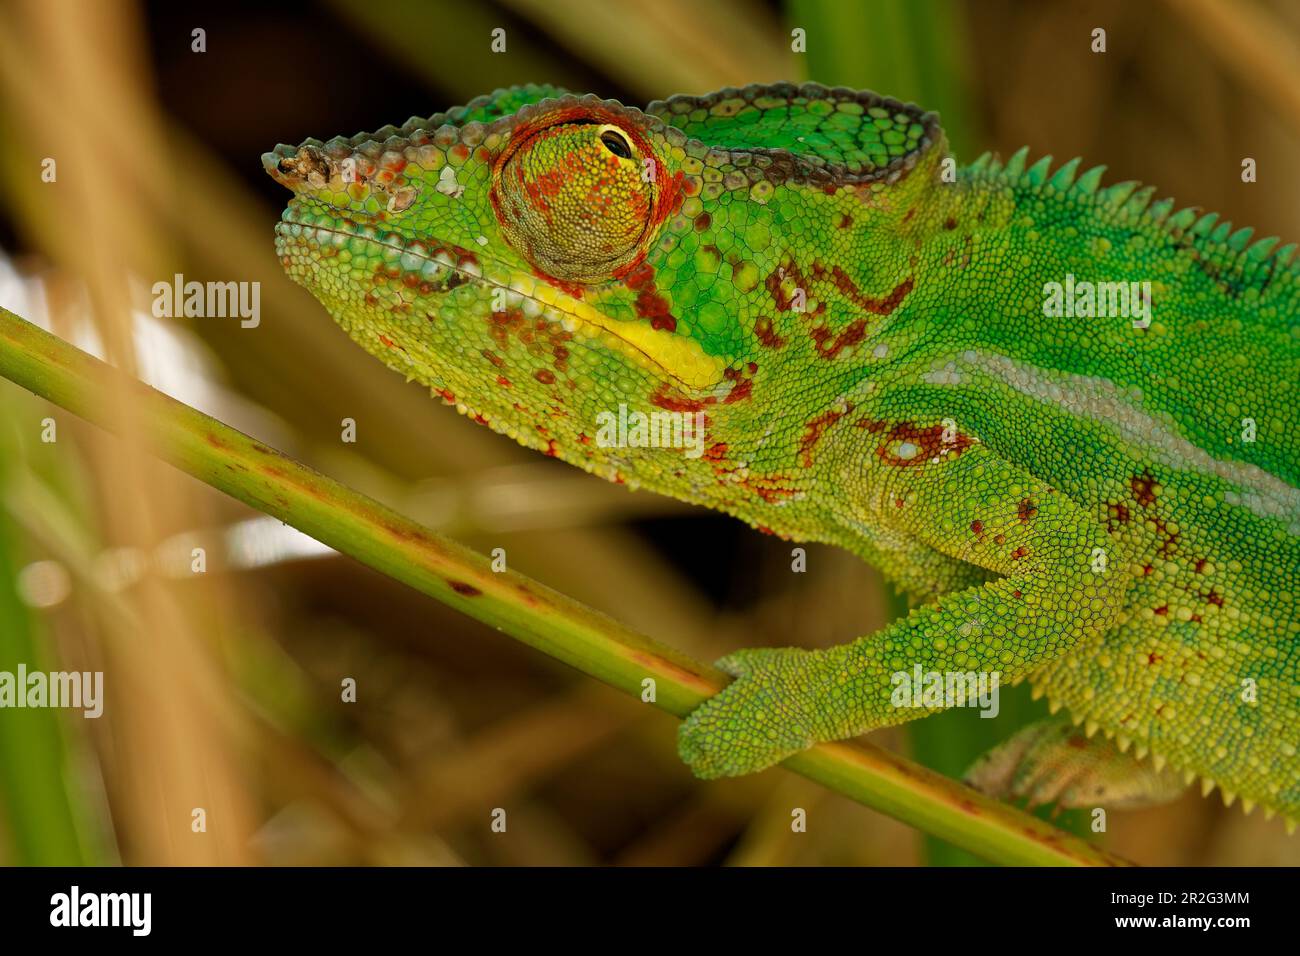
x,y
1016,593
1200,565
1117,514
389,343
766,335
855,333
584,438
493,358
1195,619
1215,598
907,216
815,428
977,527
649,303
1162,610
460,587
743,391
674,404
500,325
670,200
703,221
551,451
1019,553
773,283
571,289
764,529
1154,658
844,221
879,306
771,495
480,419
1170,544
460,151
999,539
504,382
898,502
1147,570
447,396
545,376
929,442
841,280
1026,510
771,489
741,387
1144,489
950,223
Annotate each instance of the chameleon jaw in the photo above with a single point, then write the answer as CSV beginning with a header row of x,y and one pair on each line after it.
x,y
666,354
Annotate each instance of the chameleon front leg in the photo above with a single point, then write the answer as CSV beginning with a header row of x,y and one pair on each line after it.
x,y
1063,580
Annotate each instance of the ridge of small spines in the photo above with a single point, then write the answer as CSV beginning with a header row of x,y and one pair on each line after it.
x,y
1133,201
447,126
1158,761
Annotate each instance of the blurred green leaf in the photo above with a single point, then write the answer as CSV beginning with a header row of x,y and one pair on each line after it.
x,y
38,788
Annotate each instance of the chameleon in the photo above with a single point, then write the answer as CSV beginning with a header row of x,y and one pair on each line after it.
x,y
1062,417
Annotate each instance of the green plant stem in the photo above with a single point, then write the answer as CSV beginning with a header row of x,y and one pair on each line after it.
x,y
526,610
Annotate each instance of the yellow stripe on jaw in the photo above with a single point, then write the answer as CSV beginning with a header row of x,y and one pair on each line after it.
x,y
679,356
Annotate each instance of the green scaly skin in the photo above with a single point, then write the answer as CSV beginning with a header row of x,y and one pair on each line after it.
x,y
1068,500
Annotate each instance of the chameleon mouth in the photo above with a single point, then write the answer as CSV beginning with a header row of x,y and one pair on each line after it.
x,y
439,268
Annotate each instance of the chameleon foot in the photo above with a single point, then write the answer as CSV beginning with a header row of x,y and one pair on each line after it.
x,y
758,720
1054,762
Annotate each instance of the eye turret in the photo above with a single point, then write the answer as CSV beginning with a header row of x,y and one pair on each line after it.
x,y
573,200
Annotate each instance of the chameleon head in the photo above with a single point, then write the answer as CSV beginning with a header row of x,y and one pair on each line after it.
x,y
553,263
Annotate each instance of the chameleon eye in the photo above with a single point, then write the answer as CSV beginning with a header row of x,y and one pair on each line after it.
x,y
616,143
570,202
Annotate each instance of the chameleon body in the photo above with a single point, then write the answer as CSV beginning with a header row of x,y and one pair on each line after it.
x,y
1103,504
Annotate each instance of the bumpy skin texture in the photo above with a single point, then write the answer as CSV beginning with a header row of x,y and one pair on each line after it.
x,y
1067,500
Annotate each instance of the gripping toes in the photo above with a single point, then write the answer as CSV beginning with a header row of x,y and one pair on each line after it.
x,y
758,720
